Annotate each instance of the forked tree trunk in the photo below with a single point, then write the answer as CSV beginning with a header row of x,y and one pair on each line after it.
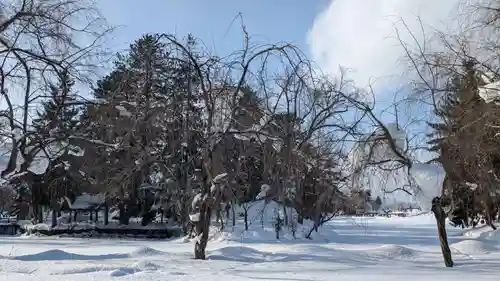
x,y
441,227
202,229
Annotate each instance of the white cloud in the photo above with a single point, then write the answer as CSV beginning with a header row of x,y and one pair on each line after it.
x,y
360,35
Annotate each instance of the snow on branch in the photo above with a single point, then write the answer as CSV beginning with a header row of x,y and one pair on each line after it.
x,y
490,92
98,142
429,180
265,189
376,149
378,152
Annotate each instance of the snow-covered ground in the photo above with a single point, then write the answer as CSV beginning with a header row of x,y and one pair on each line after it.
x,y
348,249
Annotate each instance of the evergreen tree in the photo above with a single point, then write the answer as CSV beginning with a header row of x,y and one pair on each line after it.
x,y
149,105
58,118
55,125
465,142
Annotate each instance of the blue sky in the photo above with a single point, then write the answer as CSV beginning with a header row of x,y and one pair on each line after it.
x,y
268,21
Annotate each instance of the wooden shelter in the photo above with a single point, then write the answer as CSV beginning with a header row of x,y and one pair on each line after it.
x,y
91,203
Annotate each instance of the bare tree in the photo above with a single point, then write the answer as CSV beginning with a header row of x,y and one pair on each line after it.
x,y
287,124
40,42
455,69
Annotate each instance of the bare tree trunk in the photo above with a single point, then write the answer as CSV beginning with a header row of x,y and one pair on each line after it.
x,y
56,208
185,214
106,214
218,214
285,214
441,226
35,203
246,217
54,218
234,214
123,214
277,226
487,204
466,216
490,220
202,229
262,219
219,217
308,236
317,219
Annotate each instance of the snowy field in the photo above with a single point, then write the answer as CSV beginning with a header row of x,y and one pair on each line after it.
x,y
348,249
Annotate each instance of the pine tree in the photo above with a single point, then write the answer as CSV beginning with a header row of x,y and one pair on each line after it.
x,y
465,141
54,127
149,105
58,117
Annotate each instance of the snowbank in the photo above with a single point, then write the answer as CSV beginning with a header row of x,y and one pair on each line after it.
x,y
480,240
262,219
471,247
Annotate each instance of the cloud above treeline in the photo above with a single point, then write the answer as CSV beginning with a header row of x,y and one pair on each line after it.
x,y
360,35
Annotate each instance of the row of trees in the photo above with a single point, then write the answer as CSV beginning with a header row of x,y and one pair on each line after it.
x,y
212,131
207,131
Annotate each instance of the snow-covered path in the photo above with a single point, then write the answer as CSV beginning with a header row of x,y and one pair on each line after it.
x,y
359,249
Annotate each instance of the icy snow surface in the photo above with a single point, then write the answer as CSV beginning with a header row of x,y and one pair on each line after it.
x,y
388,249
